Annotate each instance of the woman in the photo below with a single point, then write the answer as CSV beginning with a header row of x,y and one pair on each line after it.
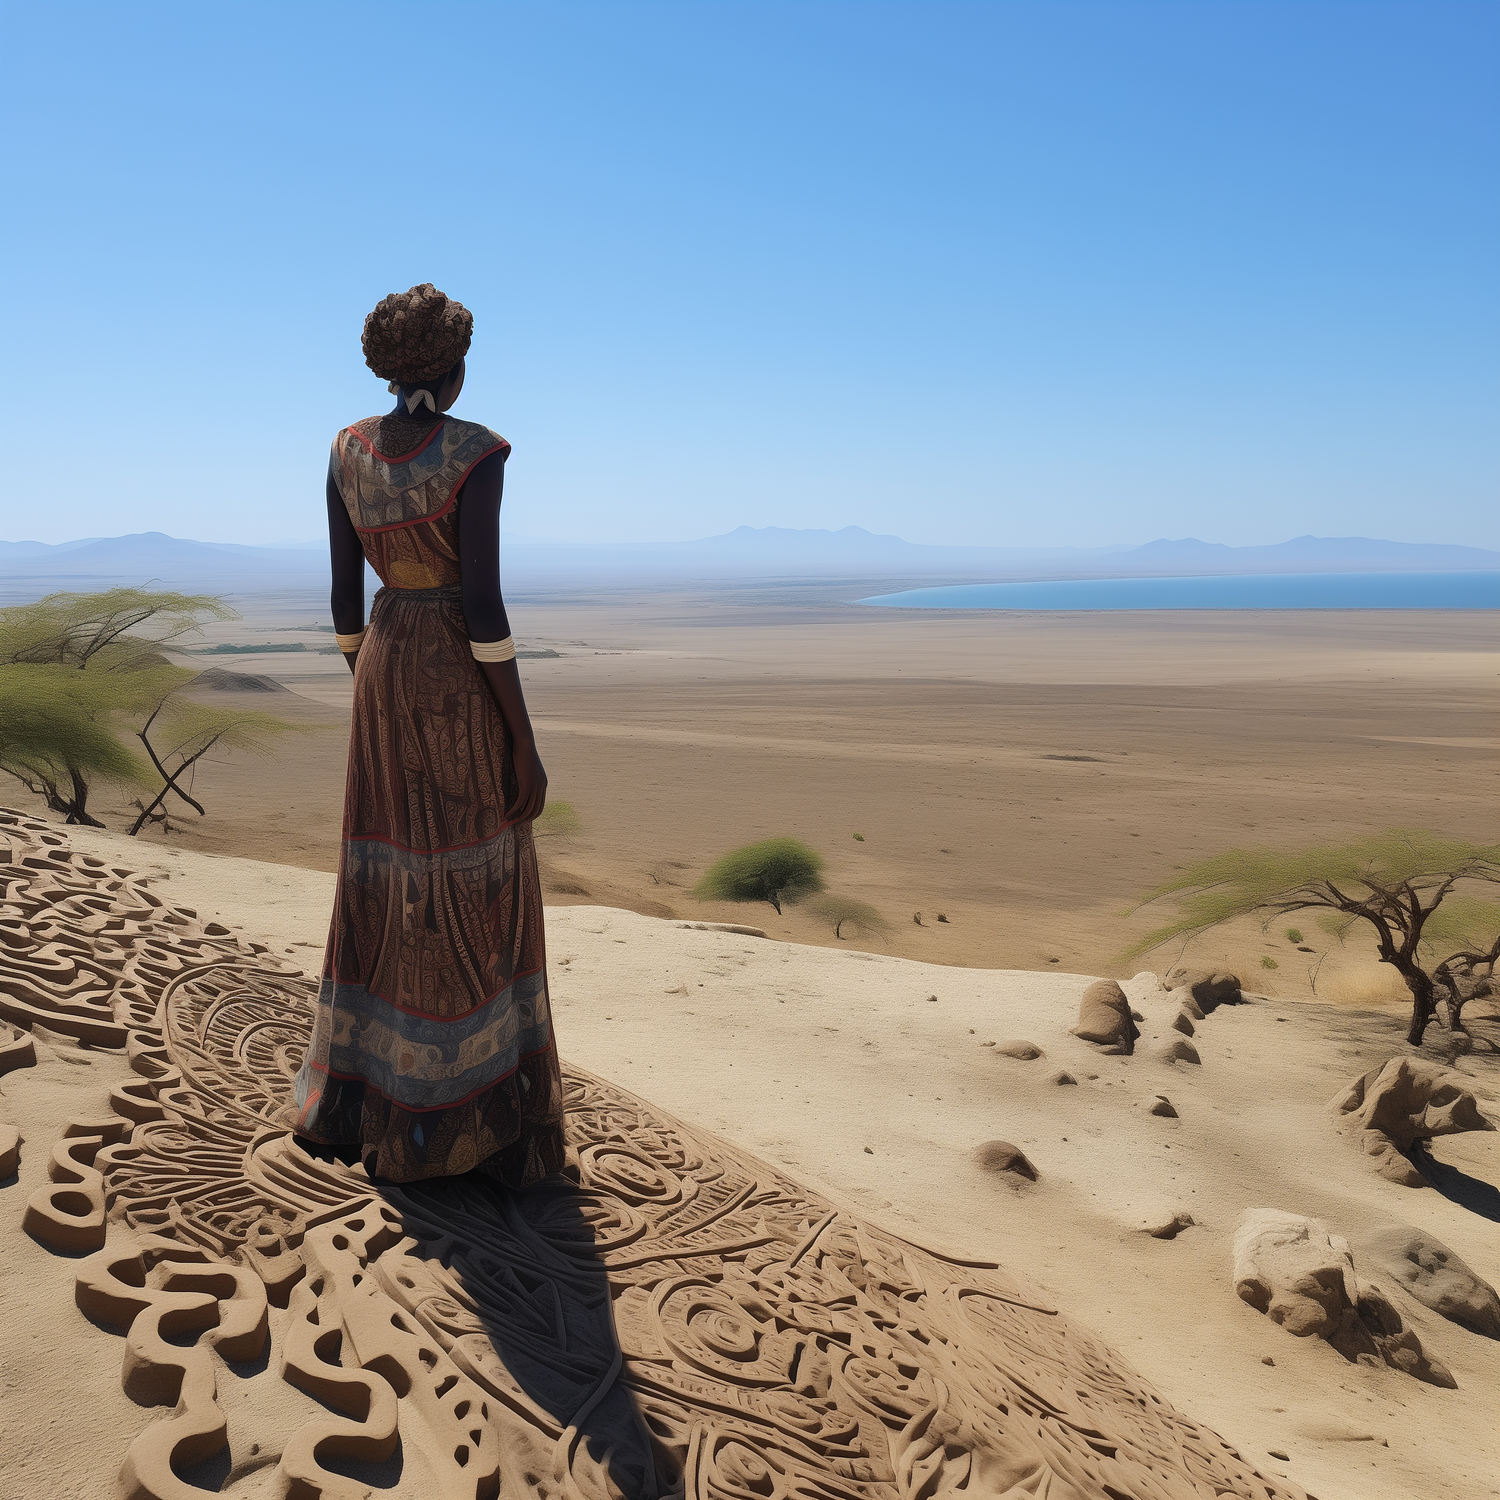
x,y
432,1049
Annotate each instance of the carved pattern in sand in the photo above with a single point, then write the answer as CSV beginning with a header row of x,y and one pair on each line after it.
x,y
683,1319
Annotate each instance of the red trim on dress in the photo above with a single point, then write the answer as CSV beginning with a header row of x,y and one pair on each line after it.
x,y
437,514
421,447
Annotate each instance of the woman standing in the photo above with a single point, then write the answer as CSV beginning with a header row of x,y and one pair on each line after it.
x,y
432,1048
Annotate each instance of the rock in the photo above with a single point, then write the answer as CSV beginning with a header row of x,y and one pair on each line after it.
x,y
1437,1278
10,1150
1181,1050
1184,1023
1136,1016
1209,987
1104,1017
1190,1007
1302,1277
1162,1106
1001,1156
1063,1077
17,1049
1169,1229
1025,1051
1266,1359
1410,1099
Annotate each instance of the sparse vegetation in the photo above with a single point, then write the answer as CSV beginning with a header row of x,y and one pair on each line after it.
x,y
859,838
558,817
775,870
1415,890
1267,962
845,911
73,675
1294,935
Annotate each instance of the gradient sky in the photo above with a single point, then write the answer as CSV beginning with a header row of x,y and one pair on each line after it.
x,y
1030,274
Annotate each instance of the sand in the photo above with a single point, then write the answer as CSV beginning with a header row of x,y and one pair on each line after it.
x,y
867,1076
1027,777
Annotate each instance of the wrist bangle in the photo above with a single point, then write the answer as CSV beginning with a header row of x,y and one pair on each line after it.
x,y
350,642
494,650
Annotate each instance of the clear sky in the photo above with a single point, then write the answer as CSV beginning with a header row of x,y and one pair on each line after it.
x,y
1005,273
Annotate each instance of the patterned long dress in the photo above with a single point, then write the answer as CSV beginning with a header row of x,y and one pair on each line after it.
x,y
432,1047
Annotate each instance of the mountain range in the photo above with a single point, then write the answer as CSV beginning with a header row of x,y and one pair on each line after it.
x,y
27,568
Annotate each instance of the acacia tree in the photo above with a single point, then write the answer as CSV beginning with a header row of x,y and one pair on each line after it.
x,y
776,870
1394,881
845,911
72,673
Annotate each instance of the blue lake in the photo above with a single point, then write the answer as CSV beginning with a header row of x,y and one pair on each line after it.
x,y
1475,590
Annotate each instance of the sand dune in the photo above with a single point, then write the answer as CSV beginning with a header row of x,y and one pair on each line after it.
x,y
868,1077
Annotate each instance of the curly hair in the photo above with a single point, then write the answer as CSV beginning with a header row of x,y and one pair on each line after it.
x,y
417,335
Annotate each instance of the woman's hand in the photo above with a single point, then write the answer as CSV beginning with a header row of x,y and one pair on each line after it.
x,y
531,784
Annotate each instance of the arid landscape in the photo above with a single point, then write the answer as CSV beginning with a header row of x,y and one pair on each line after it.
x,y
1027,777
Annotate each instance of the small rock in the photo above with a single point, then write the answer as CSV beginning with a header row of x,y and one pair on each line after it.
x,y
216,929
869,1151
1410,1099
1001,1156
1435,1276
1209,987
916,917
1181,1050
1266,1359
931,999
1169,1229
1104,1017
1184,1023
1023,1050
1136,1015
941,917
1064,1077
1301,1276
1162,1107
1277,1453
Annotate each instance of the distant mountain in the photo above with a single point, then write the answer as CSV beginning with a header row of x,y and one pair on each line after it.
x,y
30,568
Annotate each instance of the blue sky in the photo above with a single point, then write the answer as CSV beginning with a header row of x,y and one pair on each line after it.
x,y
996,273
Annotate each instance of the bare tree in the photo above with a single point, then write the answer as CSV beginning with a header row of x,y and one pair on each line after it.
x,y
1395,882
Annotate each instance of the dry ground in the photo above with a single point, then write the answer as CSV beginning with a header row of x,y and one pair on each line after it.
x,y
1027,777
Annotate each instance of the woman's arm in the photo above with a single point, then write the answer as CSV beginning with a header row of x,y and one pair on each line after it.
x,y
348,558
485,619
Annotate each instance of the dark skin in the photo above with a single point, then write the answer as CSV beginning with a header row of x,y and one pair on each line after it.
x,y
484,608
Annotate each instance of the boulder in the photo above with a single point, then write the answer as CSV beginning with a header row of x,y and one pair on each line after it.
x,y
1168,1227
1301,1276
1180,1050
1001,1156
1436,1277
1183,1022
1024,1051
1063,1076
1162,1107
1104,1017
1410,1099
1209,987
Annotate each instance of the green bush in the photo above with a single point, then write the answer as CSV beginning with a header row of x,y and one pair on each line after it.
x,y
558,817
776,870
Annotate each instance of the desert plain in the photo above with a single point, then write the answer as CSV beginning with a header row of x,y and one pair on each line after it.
x,y
1003,789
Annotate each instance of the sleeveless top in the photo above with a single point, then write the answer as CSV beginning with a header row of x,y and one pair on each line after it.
x,y
399,480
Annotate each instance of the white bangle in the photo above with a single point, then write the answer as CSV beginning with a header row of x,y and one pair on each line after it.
x,y
494,650
350,642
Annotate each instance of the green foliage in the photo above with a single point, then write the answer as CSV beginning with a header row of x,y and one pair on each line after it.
x,y
1245,881
776,870
859,838
1462,921
1294,934
558,817
79,630
1267,962
54,721
845,911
